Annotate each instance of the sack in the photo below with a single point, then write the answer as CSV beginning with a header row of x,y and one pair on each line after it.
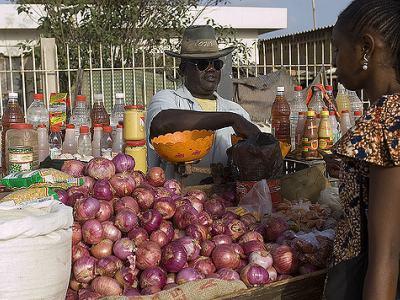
x,y
28,196
35,247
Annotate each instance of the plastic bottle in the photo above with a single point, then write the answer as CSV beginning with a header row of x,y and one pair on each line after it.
x,y
97,134
280,113
70,146
317,103
296,106
300,129
357,106
37,112
345,123
43,142
118,141
99,113
325,134
335,126
357,115
84,142
342,99
106,142
310,137
117,114
329,93
55,142
80,115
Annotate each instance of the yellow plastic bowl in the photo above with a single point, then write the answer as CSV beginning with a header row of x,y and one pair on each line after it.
x,y
186,146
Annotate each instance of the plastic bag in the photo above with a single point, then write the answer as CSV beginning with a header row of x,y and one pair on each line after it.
x,y
258,200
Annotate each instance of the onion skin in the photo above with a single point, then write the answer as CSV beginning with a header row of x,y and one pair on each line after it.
x,y
92,232
123,248
138,176
215,208
83,269
203,264
168,229
217,227
105,212
199,194
174,257
86,209
126,276
123,163
229,216
78,251
187,275
207,248
251,236
62,196
166,207
261,258
196,203
235,228
174,186
248,219
108,266
71,295
273,274
151,220
102,190
197,232
184,216
239,250
252,246
228,274
100,168
148,255
191,246
150,290
131,292
156,176
159,237
110,231
204,219
102,249
284,259
169,286
123,184
254,275
161,192
224,256
126,202
274,227
75,193
138,235
73,167
106,286
76,233
222,239
86,294
171,278
153,277
88,182
144,197
126,220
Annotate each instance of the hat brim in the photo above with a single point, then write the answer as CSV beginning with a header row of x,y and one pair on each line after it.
x,y
218,54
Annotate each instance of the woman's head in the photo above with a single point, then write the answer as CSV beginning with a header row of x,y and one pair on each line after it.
x,y
367,34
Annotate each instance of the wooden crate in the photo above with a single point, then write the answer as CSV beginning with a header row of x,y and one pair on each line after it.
x,y
305,287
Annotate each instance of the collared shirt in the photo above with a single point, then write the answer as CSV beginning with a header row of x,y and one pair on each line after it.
x,y
183,99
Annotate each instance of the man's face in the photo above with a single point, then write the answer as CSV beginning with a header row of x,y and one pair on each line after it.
x,y
202,76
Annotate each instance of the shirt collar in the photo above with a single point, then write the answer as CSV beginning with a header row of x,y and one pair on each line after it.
x,y
183,92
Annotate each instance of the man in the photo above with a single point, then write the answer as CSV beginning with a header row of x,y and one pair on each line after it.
x,y
196,105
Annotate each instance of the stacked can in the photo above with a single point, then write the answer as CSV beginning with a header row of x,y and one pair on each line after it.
x,y
135,135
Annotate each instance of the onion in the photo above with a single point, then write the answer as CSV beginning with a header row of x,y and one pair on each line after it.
x,y
288,235
284,259
203,264
166,207
252,246
178,234
197,232
182,201
148,255
261,258
229,216
168,229
88,182
251,236
153,277
274,227
191,246
144,197
201,195
123,248
138,235
239,250
126,276
196,203
228,274
86,209
235,229
110,231
174,257
217,227
92,232
106,286
131,292
273,275
123,162
105,212
156,176
75,193
150,290
83,269
126,202
242,264
224,256
215,276
123,184
79,250
161,192
169,286
100,168
222,239
102,190
248,219
76,233
215,208
207,247
126,220
102,249
174,186
151,220
71,295
229,197
184,216
73,167
85,294
187,275
204,219
159,237
138,176
108,266
307,268
62,196
254,275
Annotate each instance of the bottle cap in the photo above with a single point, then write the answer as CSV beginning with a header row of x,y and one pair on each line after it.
x,y
310,113
134,107
70,126
21,126
280,89
80,98
332,113
55,128
302,113
358,113
84,129
97,126
329,88
98,97
42,126
298,88
120,95
324,113
12,95
38,97
107,129
136,143
120,126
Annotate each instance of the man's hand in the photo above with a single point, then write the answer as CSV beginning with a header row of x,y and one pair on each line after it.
x,y
332,164
244,128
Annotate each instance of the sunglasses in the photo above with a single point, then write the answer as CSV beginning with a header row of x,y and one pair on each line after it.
x,y
204,64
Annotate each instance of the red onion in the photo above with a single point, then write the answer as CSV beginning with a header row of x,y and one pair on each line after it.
x,y
166,207
217,227
203,264
73,167
123,248
102,190
254,275
229,197
148,255
174,257
187,275
261,258
248,219
92,232
131,292
76,286
108,266
100,168
229,216
201,195
197,231
196,203
105,212
161,192
215,276
168,229
184,216
88,182
228,274
126,220
288,235
307,268
75,193
102,249
191,246
224,256
126,202
171,278
153,277
222,239
242,264
235,229
71,295
178,234
123,162
106,286
144,197
215,208
159,237
204,219
273,275
151,220
123,184
86,209
138,176
126,276
182,201
174,186
207,248
274,227
284,259
252,246
110,231
138,235
150,290
78,251
85,294
156,176
169,286
239,250
251,236
76,233
83,269
62,196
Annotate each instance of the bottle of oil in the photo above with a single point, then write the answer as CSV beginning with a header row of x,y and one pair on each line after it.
x,y
310,137
280,113
99,113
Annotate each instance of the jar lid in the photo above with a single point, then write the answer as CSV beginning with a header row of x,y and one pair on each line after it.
x,y
42,126
80,98
84,129
358,113
107,129
134,107
136,143
55,128
21,126
38,97
70,126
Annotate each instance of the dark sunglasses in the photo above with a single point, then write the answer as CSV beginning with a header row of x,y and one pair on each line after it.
x,y
204,64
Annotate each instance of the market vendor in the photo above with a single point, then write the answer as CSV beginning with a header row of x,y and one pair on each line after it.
x,y
196,105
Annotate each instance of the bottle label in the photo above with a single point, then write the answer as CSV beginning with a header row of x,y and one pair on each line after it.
x,y
325,143
309,144
20,159
55,153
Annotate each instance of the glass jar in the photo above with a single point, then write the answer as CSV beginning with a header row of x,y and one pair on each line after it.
x,y
134,127
137,149
21,144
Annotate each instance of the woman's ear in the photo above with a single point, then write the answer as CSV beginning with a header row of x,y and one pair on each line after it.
x,y
368,46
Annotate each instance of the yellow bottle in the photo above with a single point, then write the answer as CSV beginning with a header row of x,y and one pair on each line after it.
x,y
342,99
325,133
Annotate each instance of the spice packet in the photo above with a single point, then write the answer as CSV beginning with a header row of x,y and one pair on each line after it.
x,y
30,195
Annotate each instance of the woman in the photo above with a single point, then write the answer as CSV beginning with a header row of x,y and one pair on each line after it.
x,y
366,40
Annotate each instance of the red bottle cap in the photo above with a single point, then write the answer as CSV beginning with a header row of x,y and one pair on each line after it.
x,y
298,88
120,126
329,88
134,107
332,113
358,113
42,126
55,128
38,97
136,143
80,98
84,129
70,126
107,129
21,126
97,126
